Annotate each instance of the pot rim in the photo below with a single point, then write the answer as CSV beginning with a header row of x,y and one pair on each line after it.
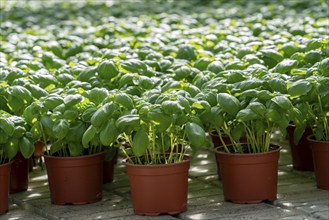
x,y
276,148
7,163
312,139
187,158
73,157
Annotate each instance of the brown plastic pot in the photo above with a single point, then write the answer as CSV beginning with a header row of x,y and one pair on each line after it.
x,y
19,175
217,143
4,187
75,180
320,152
159,189
301,153
249,177
108,169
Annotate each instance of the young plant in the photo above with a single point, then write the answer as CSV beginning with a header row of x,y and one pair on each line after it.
x,y
160,132
255,117
63,121
14,137
311,97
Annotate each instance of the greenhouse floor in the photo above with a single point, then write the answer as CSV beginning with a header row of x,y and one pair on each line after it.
x,y
298,197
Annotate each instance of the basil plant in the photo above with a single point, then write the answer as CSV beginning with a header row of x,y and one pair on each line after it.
x,y
63,121
157,128
311,97
255,117
14,137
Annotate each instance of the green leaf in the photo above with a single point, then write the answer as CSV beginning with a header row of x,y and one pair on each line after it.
x,y
186,52
20,92
127,123
26,147
19,131
140,142
172,107
278,85
75,149
283,102
185,103
238,132
109,133
273,116
55,147
264,95
47,126
271,57
249,84
216,67
61,128
97,95
75,132
324,67
161,120
71,100
102,114
245,115
70,114
88,136
202,105
299,88
36,91
258,108
107,69
124,100
323,86
229,103
134,66
7,126
126,79
195,134
87,114
52,101
285,66
16,104
234,77
11,149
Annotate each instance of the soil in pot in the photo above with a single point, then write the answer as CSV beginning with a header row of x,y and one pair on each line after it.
x,y
249,177
19,175
301,153
159,189
320,152
75,180
4,187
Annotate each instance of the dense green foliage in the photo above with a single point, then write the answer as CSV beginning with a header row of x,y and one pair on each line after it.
x,y
158,74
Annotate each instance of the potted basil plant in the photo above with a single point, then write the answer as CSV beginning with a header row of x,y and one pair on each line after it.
x,y
14,139
249,170
159,134
72,153
316,108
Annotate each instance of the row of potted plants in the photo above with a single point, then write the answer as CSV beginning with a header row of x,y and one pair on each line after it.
x,y
158,128
160,88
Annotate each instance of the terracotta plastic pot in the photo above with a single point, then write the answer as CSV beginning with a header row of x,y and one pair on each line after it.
x,y
301,153
37,154
159,189
217,143
249,177
320,152
108,169
19,175
4,187
75,180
